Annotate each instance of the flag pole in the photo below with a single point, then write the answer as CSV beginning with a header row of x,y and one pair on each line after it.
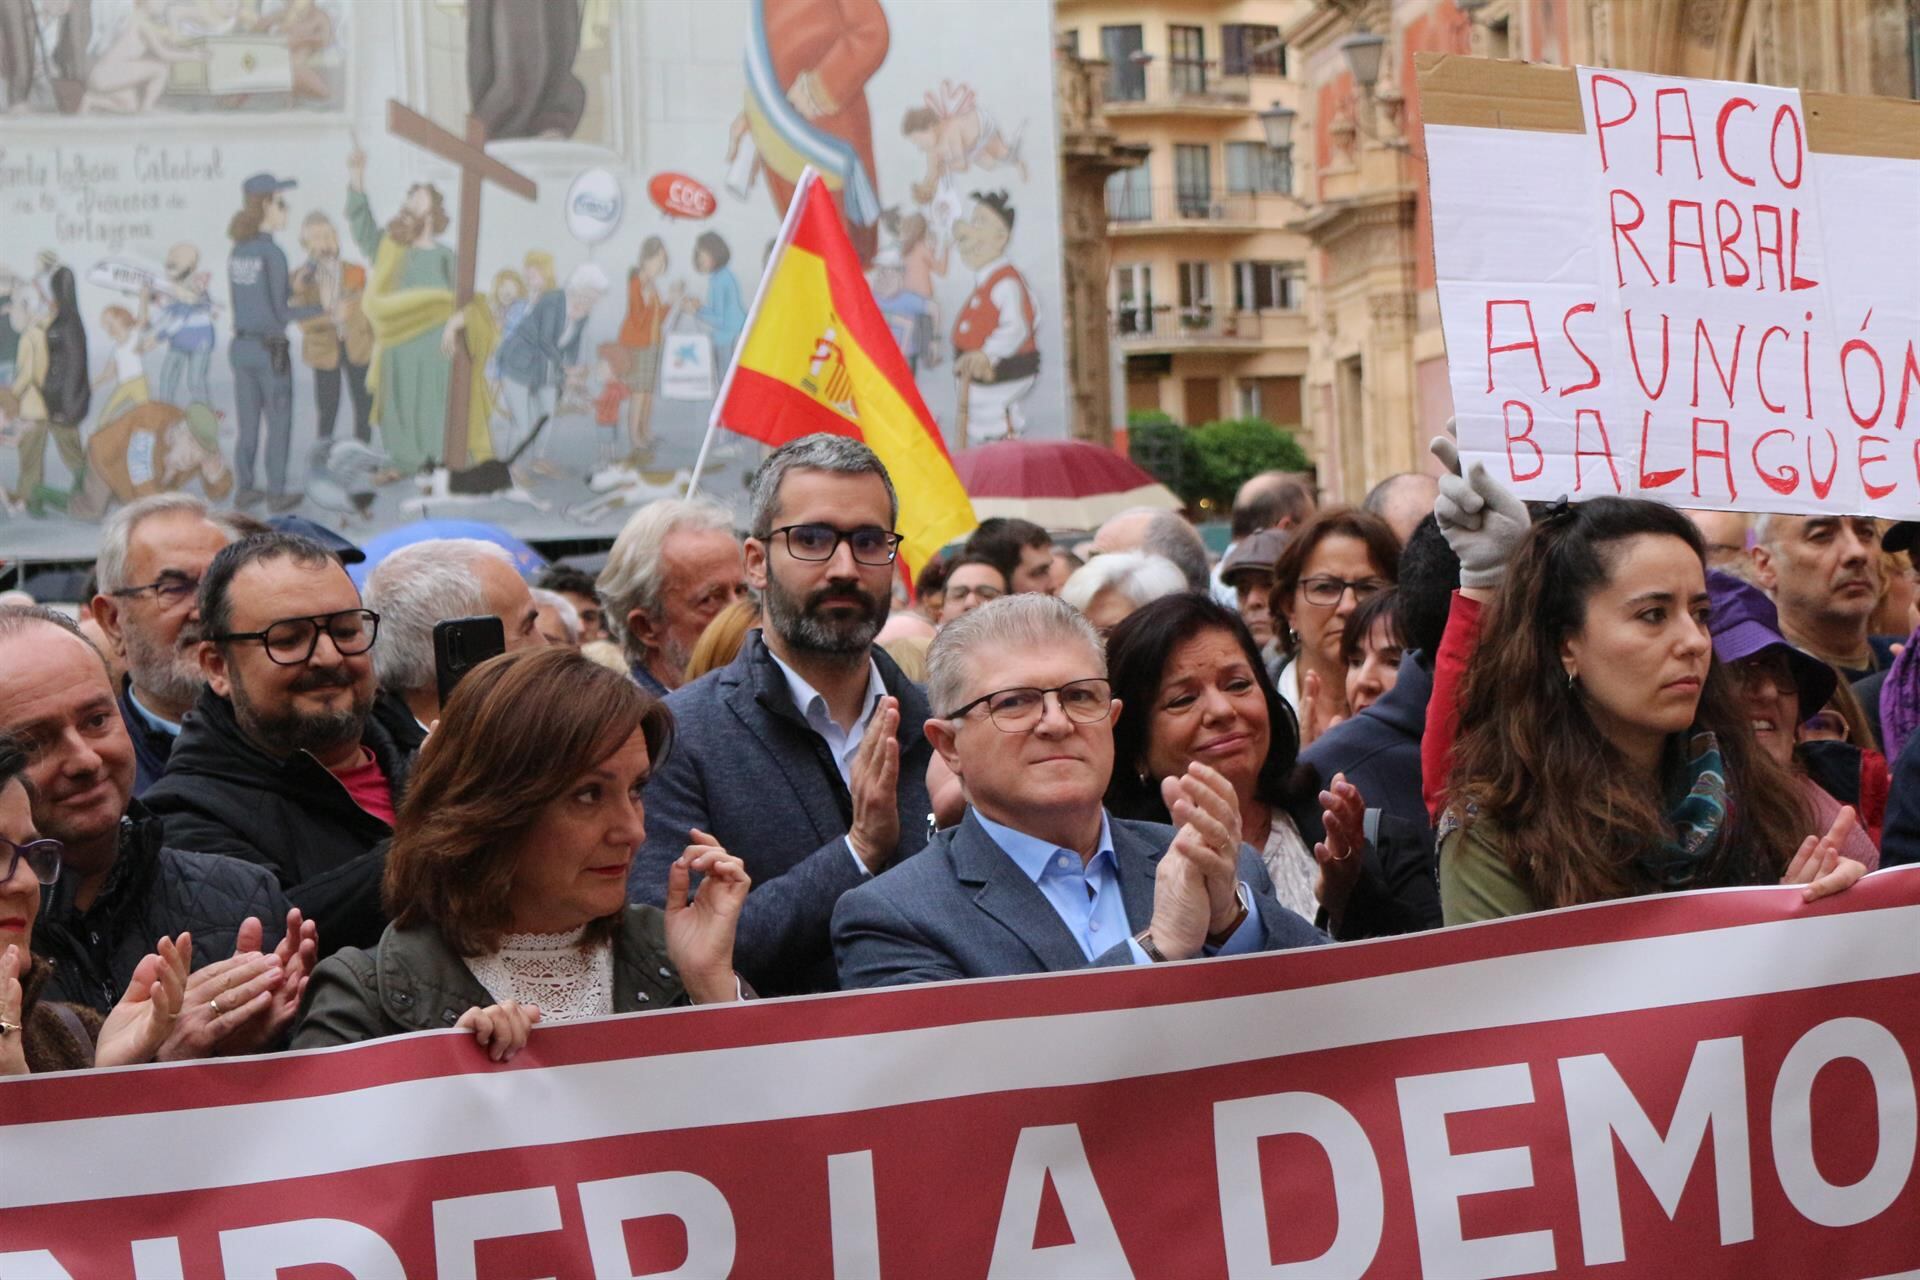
x,y
808,177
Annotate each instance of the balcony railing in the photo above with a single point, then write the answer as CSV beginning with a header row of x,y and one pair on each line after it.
x,y
1164,85
1186,205
1171,326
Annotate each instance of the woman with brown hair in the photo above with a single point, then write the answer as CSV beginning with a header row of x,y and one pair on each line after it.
x,y
1333,562
1602,753
507,877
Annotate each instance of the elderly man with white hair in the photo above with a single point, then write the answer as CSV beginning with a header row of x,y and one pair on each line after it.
x,y
1167,534
420,586
1109,587
1038,877
675,565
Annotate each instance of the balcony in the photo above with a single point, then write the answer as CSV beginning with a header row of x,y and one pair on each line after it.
x,y
1162,88
1149,211
1204,330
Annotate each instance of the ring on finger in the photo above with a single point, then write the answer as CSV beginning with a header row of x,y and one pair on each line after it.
x,y
214,1004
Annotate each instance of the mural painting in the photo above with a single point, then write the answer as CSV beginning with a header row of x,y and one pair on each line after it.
x,y
234,257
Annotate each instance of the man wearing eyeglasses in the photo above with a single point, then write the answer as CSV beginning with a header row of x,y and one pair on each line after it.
x,y
152,553
280,761
110,884
1038,877
805,754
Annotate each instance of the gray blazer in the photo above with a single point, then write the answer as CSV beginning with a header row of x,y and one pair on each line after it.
x,y
747,767
964,909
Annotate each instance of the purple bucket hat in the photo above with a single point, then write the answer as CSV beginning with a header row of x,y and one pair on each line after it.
x,y
1745,623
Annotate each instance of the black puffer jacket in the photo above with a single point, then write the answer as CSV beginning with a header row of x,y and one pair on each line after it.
x,y
152,892
222,794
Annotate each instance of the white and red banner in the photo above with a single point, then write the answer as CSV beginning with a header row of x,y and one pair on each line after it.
x,y
1715,1084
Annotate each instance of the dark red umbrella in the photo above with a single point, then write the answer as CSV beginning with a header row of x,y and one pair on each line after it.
x,y
1060,484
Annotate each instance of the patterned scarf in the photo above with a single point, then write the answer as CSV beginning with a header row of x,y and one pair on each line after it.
x,y
1697,820
1900,699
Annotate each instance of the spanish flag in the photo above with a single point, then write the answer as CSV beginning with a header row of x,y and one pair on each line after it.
x,y
817,355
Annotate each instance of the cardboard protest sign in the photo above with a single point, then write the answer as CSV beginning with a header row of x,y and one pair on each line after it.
x,y
1702,292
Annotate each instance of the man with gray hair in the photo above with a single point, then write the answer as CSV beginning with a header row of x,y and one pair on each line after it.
x,y
1823,573
804,755
673,567
1038,877
152,553
1162,533
420,586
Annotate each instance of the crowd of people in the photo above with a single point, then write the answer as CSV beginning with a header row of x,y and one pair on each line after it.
x,y
240,812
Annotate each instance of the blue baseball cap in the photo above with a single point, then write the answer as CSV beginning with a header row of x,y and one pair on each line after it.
x,y
265,184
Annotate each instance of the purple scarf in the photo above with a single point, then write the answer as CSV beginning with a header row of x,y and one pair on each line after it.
x,y
1900,699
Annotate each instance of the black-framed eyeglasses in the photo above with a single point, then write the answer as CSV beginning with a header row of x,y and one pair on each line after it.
x,y
168,588
870,544
1327,590
1019,710
291,641
43,858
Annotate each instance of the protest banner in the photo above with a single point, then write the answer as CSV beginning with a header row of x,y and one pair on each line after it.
x,y
1702,292
1711,1084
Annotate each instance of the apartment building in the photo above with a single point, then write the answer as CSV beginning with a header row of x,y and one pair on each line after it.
x,y
1206,282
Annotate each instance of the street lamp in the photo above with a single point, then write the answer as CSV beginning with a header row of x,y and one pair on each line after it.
x,y
1277,121
1362,50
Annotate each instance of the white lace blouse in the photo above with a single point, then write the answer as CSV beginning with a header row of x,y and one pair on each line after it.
x,y
1292,866
551,971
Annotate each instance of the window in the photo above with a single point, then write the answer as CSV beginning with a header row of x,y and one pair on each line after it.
x,y
1129,198
1187,59
1269,286
1133,298
1196,289
1276,400
1499,39
1255,50
1255,167
1126,77
1068,41
1193,179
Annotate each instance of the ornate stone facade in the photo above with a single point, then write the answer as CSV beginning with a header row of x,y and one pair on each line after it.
x,y
1089,152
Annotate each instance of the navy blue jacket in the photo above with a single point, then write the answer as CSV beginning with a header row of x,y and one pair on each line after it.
x,y
1379,752
746,767
151,746
1379,749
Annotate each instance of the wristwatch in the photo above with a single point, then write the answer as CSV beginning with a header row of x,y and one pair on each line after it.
x,y
1145,940
1221,938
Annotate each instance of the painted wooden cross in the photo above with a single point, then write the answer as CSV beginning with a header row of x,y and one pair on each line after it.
x,y
476,169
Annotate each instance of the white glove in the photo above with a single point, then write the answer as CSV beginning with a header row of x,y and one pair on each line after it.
x,y
1481,518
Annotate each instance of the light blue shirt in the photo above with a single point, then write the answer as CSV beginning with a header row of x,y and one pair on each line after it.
x,y
841,743
1087,897
167,727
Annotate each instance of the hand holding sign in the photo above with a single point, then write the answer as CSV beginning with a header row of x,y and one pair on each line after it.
x,y
1482,520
